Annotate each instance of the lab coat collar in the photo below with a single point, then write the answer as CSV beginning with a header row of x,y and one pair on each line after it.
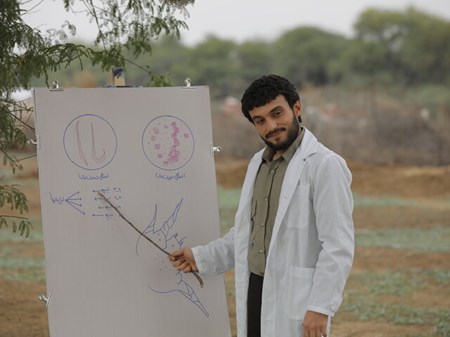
x,y
307,148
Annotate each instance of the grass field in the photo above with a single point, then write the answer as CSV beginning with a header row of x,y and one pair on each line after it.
x,y
390,298
398,287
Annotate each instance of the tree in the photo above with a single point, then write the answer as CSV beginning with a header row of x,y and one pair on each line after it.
x,y
123,27
308,55
255,58
406,48
425,50
169,58
214,61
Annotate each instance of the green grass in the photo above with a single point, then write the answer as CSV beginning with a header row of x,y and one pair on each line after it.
x,y
426,240
365,201
392,283
228,200
10,258
438,276
19,268
369,309
367,293
25,275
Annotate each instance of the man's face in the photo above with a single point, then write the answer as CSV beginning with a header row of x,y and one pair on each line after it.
x,y
277,123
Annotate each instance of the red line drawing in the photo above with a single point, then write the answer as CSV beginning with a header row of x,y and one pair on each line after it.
x,y
94,152
80,149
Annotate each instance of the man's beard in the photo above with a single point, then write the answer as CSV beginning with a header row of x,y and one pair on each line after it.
x,y
292,133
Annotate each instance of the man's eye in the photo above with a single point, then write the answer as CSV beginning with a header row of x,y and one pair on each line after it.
x,y
259,121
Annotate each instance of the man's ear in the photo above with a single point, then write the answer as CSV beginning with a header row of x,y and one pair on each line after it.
x,y
298,108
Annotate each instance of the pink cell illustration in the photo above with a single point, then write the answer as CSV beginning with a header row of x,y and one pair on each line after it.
x,y
170,143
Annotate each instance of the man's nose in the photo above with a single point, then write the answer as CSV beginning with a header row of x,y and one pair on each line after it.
x,y
271,124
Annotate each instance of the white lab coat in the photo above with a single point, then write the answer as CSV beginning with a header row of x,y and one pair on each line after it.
x,y
312,246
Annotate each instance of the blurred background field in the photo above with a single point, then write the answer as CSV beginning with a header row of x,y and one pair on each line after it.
x,y
398,286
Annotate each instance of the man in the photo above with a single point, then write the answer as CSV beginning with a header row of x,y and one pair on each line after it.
x,y
293,241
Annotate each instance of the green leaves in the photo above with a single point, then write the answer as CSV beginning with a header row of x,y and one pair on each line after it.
x,y
15,200
10,195
23,226
311,53
402,47
123,27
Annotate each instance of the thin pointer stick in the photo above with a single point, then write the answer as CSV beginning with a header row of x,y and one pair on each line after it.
x,y
145,236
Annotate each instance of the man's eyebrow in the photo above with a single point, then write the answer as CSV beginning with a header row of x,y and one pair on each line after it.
x,y
278,107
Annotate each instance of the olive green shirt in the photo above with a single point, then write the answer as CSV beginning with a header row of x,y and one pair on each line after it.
x,y
266,195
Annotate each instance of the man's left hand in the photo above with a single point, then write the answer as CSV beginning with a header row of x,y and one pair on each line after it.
x,y
315,324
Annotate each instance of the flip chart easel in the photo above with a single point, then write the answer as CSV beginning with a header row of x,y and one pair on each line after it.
x,y
150,152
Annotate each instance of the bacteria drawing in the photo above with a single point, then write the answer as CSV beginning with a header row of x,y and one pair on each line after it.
x,y
168,142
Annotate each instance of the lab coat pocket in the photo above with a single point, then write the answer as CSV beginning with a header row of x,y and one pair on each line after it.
x,y
299,288
300,207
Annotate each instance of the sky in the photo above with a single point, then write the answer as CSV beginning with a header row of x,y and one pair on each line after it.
x,y
242,20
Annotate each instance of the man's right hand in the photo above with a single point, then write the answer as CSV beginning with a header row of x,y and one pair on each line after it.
x,y
183,259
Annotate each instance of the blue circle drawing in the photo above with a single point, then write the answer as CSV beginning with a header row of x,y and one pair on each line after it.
x,y
90,142
168,142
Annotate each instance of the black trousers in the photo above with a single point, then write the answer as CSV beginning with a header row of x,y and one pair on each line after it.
x,y
254,305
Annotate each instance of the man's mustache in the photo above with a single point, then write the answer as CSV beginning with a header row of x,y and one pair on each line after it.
x,y
271,133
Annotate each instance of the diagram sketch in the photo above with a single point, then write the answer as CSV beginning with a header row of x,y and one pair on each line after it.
x,y
168,142
86,205
74,201
165,235
145,153
90,142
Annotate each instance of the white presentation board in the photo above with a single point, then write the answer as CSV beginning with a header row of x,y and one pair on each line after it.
x,y
150,152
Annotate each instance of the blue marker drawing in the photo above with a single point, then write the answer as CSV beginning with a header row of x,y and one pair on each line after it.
x,y
108,216
167,239
106,210
73,200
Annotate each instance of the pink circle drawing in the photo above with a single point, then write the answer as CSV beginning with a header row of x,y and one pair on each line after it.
x,y
168,142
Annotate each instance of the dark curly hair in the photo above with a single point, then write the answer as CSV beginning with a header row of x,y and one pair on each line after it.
x,y
264,90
